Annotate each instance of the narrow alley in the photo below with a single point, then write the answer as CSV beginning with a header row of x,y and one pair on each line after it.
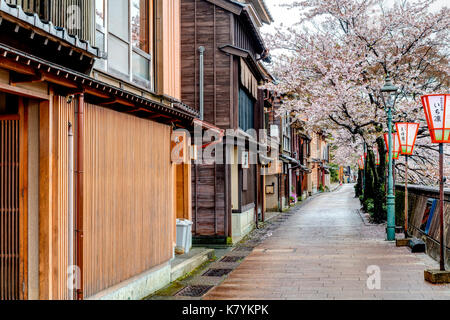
x,y
327,251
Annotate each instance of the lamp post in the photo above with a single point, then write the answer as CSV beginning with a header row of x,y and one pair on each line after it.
x,y
438,120
407,134
388,93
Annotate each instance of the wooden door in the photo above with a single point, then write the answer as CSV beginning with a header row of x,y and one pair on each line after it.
x,y
12,207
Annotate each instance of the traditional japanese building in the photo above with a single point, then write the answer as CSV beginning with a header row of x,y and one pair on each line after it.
x,y
88,104
221,46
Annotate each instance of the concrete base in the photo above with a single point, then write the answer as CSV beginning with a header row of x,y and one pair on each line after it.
x,y
437,276
242,223
402,242
137,287
186,263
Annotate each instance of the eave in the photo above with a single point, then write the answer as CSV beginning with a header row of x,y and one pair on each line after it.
x,y
27,68
46,29
245,54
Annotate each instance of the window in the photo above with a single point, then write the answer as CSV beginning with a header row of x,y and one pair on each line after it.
x,y
246,110
124,31
100,38
286,134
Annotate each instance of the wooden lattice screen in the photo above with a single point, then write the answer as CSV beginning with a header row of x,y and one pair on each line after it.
x,y
9,210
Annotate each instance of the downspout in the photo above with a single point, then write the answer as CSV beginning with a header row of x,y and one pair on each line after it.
x,y
70,207
79,192
201,50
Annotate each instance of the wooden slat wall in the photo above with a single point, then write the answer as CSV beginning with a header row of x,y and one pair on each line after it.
x,y
204,24
208,205
63,114
128,199
169,54
9,210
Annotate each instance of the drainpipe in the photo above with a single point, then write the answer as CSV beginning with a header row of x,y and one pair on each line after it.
x,y
79,192
70,207
201,50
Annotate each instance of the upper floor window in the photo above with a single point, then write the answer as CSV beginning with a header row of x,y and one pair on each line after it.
x,y
286,134
246,110
124,31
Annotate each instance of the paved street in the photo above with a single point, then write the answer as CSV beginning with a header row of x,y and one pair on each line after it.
x,y
323,251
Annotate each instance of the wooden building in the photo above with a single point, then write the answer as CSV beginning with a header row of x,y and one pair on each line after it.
x,y
86,172
225,196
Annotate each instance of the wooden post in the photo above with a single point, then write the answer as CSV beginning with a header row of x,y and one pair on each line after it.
x,y
406,196
441,206
23,204
45,199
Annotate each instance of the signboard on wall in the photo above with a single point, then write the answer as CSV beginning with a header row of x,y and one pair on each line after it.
x,y
244,160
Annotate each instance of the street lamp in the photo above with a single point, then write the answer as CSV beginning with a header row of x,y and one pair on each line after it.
x,y
407,134
388,93
438,120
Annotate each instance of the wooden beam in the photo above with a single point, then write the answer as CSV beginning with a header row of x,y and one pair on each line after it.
x,y
15,66
15,78
23,92
45,199
23,199
10,117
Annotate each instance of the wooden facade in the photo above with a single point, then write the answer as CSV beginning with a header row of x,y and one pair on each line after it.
x,y
231,46
103,186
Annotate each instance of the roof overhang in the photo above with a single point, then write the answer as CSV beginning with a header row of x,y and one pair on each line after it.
x,y
28,33
248,57
245,12
24,68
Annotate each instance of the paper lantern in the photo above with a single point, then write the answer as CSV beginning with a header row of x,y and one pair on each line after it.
x,y
396,149
438,119
407,134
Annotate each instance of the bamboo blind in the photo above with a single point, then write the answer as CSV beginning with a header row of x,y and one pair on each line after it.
x,y
9,210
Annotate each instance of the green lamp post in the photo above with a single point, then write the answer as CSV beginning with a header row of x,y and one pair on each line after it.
x,y
388,93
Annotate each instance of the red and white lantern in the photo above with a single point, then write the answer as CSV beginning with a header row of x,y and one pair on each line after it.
x,y
438,117
361,163
396,148
407,134
377,155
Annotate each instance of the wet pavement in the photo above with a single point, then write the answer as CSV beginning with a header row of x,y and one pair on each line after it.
x,y
325,250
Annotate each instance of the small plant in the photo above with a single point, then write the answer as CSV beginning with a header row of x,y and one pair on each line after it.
x,y
321,189
291,199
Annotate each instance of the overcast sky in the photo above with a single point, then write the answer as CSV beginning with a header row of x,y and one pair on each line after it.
x,y
283,15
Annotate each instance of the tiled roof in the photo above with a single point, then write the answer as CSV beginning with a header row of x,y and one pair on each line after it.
x,y
46,26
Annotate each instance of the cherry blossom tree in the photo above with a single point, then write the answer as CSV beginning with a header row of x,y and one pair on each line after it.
x,y
334,61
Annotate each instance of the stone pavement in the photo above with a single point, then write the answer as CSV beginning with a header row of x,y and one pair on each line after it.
x,y
324,251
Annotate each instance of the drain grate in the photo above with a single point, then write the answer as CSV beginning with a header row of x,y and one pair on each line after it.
x,y
231,259
216,272
193,291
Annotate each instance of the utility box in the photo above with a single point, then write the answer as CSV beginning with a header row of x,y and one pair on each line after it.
x,y
184,235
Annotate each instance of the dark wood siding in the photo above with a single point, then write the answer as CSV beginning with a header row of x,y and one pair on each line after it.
x,y
203,24
242,39
208,204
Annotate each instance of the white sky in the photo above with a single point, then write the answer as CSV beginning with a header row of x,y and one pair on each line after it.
x,y
287,17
